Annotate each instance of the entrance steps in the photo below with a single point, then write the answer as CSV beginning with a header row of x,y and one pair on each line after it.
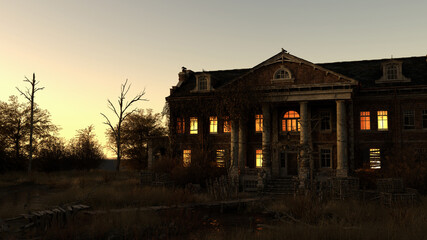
x,y
281,186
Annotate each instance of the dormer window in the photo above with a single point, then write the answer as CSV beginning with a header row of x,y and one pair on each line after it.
x,y
203,83
283,75
392,72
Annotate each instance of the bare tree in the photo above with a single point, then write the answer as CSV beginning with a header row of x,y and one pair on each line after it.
x,y
29,95
121,113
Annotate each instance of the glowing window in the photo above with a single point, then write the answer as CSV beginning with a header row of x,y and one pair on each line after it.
x,y
325,158
375,158
258,123
290,122
258,158
220,158
186,158
382,120
409,119
193,125
392,71
213,124
227,125
180,125
365,121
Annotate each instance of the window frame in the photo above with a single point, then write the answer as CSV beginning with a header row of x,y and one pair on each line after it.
x,y
259,121
410,116
186,157
365,120
220,159
374,158
213,124
194,125
282,74
258,158
180,125
321,157
295,125
381,120
329,121
226,125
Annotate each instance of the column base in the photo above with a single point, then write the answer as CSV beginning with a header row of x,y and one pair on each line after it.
x,y
341,173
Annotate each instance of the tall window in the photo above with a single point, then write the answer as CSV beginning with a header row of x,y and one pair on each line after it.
x,y
193,125
325,158
382,120
213,124
409,119
392,71
180,125
290,122
220,158
203,82
375,158
258,158
186,158
227,125
258,123
424,118
325,122
365,121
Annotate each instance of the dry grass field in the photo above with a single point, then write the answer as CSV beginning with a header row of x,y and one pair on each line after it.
x,y
279,218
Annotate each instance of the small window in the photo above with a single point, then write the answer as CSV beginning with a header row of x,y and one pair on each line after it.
x,y
227,125
213,124
290,122
325,121
325,158
193,125
375,158
365,121
282,74
409,119
258,123
424,119
220,158
382,121
258,158
391,71
180,125
203,83
186,158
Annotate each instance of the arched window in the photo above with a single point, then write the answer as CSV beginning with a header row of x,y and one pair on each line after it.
x,y
281,74
290,122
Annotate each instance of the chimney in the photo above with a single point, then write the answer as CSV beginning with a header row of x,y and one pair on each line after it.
x,y
182,76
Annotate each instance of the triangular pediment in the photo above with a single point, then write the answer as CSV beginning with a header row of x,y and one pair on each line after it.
x,y
284,70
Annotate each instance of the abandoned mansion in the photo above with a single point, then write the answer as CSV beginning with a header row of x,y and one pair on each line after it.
x,y
289,117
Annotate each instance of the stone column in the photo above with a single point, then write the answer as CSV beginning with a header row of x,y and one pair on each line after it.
x,y
342,158
304,157
242,145
275,160
266,140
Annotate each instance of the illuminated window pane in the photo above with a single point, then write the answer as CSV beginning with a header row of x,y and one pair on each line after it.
x,y
382,120
290,122
365,121
193,125
258,158
227,125
213,124
186,158
180,125
409,119
375,158
220,158
258,123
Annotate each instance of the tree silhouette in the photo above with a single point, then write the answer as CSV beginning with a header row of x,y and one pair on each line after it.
x,y
121,113
29,95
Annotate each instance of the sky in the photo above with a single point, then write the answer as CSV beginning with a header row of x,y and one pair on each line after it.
x,y
82,51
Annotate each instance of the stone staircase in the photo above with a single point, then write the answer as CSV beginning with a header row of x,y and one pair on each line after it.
x,y
280,186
